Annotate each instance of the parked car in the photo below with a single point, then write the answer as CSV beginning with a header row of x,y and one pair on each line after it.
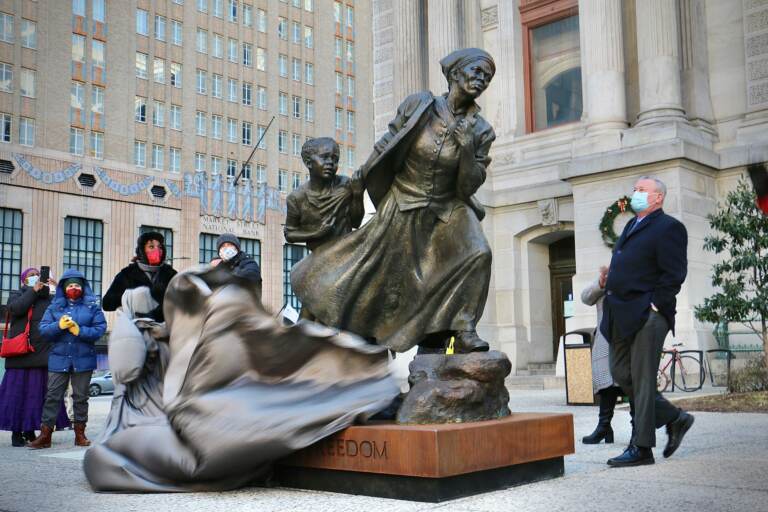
x,y
101,384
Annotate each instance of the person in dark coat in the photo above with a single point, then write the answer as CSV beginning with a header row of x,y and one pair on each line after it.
x,y
147,269
648,267
25,382
72,323
234,260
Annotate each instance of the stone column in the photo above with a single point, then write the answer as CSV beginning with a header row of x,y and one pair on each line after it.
x,y
695,63
445,36
658,49
602,62
409,43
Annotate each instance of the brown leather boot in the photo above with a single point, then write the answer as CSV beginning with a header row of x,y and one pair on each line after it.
x,y
80,439
43,440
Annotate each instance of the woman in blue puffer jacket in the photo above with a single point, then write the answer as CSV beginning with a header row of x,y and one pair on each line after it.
x,y
73,323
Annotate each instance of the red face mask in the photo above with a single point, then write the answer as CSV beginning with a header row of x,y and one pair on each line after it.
x,y
73,293
154,256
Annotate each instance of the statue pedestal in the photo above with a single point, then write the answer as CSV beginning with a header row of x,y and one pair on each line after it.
x,y
434,463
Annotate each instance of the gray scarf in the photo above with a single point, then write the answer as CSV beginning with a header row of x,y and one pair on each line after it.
x,y
150,270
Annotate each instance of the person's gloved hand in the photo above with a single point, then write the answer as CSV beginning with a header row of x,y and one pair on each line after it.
x,y
65,322
74,328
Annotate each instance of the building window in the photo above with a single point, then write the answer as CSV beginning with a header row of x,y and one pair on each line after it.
x,y
199,162
246,171
350,122
339,48
142,23
262,139
77,103
232,90
261,98
217,123
159,70
232,11
6,28
231,130
177,33
97,145
296,69
158,114
83,240
97,107
350,158
296,144
202,5
28,34
157,157
231,168
282,64
201,41
78,48
309,111
218,8
261,173
295,181
218,46
282,104
11,230
247,54
350,17
261,20
261,59
76,141
139,153
296,32
337,12
247,15
215,165
27,83
26,131
176,74
200,123
176,117
99,11
97,54
141,65
282,141
78,7
160,24
247,133
296,107
308,5
282,180
232,50
282,28
309,73
339,119
207,251
247,93
351,86
339,83
551,65
292,254
201,79
167,239
350,52
216,85
174,159
5,127
140,109
309,37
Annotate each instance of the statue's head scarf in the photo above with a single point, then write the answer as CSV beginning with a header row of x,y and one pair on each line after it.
x,y
461,58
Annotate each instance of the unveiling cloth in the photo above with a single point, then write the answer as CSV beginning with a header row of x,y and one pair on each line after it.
x,y
240,391
421,266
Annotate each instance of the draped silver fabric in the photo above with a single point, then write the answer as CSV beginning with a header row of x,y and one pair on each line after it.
x,y
240,391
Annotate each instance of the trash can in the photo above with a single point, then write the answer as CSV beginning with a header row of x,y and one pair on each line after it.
x,y
577,356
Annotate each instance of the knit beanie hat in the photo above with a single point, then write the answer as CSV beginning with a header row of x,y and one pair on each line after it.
x,y
227,237
71,280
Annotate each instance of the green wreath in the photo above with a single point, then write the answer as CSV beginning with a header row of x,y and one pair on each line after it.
x,y
606,223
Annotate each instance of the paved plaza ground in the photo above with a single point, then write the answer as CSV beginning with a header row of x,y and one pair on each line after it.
x,y
721,466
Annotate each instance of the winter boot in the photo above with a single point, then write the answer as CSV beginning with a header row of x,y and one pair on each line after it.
x,y
43,440
80,439
17,439
605,415
29,436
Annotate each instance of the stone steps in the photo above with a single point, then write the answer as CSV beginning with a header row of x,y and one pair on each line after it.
x,y
540,382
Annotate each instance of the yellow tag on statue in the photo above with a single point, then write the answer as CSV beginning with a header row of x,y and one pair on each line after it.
x,y
449,350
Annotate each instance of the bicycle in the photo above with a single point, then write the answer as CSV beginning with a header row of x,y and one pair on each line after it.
x,y
683,370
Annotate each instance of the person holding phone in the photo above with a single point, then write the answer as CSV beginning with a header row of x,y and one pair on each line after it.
x,y
25,382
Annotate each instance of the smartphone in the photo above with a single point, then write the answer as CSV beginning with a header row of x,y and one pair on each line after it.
x,y
45,274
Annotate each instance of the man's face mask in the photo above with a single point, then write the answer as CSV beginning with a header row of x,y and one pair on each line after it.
x,y
227,253
639,201
32,280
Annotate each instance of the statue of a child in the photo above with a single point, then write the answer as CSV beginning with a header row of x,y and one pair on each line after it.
x,y
327,206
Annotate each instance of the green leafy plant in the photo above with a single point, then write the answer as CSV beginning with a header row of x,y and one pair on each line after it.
x,y
741,277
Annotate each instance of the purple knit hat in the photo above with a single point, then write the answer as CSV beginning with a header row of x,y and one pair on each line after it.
x,y
26,273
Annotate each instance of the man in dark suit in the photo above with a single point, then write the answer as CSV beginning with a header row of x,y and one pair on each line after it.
x,y
648,266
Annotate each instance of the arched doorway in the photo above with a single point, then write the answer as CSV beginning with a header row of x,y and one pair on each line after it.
x,y
562,268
